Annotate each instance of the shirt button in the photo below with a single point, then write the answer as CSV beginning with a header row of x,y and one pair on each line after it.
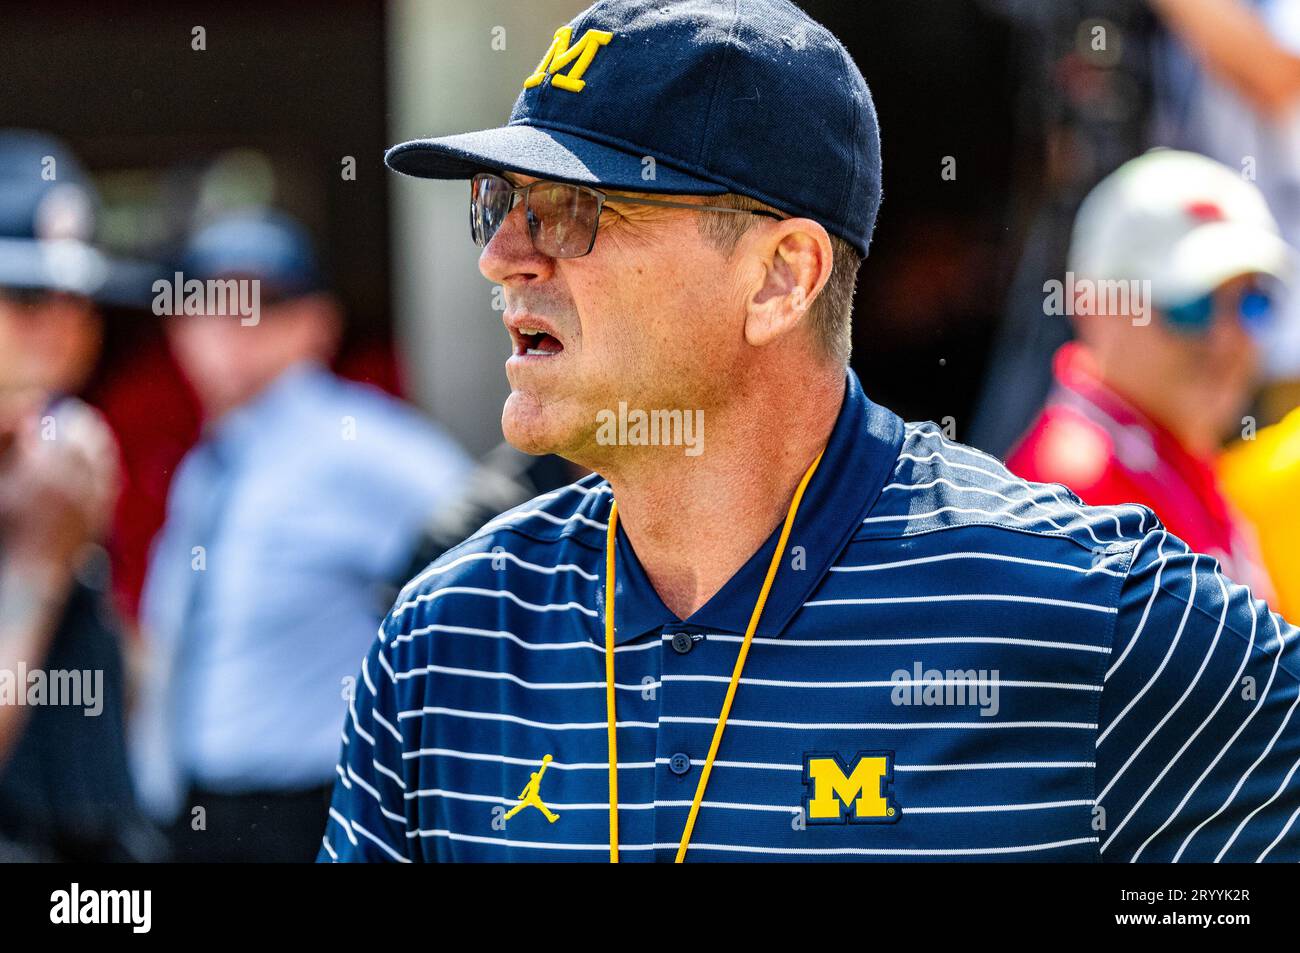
x,y
679,763
683,643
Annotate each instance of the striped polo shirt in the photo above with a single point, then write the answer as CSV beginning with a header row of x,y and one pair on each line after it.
x,y
953,664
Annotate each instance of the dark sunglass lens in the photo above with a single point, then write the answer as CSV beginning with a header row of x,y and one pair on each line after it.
x,y
1192,317
490,200
562,219
1256,307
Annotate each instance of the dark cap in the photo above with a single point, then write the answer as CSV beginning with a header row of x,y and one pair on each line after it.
x,y
47,217
48,208
746,96
266,245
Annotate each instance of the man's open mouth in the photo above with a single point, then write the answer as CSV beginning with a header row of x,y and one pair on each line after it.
x,y
533,342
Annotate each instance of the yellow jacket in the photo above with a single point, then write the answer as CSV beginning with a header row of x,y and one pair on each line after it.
x,y
1262,479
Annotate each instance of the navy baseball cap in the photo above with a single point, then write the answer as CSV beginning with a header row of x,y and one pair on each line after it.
x,y
263,244
752,97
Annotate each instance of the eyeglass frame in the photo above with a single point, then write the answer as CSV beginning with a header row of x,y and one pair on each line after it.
x,y
601,198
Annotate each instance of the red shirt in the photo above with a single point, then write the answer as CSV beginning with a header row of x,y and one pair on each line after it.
x,y
1104,449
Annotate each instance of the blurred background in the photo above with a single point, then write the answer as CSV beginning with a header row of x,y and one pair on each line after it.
x,y
997,118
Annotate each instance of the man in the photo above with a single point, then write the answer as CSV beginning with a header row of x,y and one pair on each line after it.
x,y
65,791
1228,86
829,635
1242,105
1161,373
285,524
64,788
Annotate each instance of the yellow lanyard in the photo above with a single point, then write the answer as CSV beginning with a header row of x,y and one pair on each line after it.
x,y
610,541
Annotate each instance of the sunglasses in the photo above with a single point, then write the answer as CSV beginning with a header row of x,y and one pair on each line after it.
x,y
1254,308
562,218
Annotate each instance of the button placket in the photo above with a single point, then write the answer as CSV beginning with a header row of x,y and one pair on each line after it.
x,y
677,744
682,747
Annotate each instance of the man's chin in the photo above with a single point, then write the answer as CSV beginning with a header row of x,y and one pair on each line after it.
x,y
526,443
530,428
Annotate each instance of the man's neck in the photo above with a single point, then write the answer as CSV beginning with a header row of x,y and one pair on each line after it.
x,y
694,521
1190,432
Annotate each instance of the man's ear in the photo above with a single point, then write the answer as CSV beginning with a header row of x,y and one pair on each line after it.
x,y
796,258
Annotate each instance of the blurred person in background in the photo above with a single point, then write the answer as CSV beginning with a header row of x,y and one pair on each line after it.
x,y
1173,262
1232,81
285,526
1227,85
1216,77
65,791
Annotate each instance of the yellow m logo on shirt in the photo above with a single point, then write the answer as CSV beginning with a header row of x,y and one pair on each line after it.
x,y
834,795
560,54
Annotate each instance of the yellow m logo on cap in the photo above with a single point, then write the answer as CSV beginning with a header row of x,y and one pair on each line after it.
x,y
560,54
835,796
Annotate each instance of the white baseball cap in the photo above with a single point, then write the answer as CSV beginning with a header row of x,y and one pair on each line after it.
x,y
1180,220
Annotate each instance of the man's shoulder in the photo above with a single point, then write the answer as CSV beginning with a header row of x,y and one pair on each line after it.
x,y
552,539
941,484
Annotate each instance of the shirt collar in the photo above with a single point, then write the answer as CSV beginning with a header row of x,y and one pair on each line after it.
x,y
861,453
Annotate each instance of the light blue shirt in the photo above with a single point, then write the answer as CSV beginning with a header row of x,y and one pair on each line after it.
x,y
265,587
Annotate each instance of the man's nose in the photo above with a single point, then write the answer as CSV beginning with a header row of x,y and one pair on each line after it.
x,y
1229,332
1228,322
510,255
